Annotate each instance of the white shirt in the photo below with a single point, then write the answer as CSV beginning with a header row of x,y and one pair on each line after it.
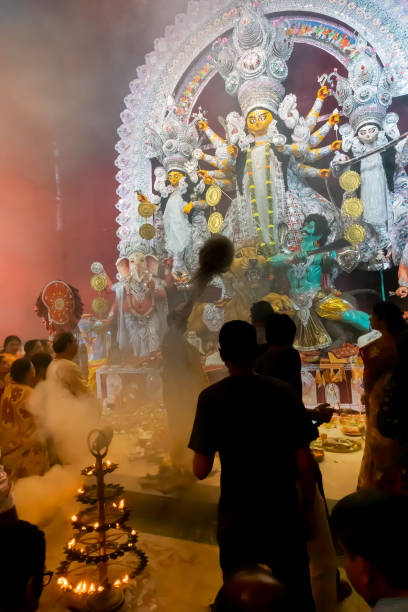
x,y
392,604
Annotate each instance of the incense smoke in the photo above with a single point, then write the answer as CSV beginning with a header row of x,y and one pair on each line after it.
x,y
66,420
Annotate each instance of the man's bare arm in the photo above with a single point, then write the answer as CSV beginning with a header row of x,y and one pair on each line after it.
x,y
202,465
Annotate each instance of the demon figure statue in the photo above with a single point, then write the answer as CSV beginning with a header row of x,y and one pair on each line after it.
x,y
311,299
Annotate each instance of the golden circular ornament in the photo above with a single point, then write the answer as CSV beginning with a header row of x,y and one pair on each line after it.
x,y
213,195
352,207
350,180
147,231
215,222
355,233
99,282
59,304
146,209
100,305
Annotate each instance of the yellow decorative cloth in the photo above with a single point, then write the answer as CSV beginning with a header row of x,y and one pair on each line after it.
x,y
331,307
23,453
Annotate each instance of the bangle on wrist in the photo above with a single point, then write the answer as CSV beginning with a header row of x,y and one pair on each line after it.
x,y
402,282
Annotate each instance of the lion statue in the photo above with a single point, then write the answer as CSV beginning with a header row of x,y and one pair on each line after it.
x,y
247,281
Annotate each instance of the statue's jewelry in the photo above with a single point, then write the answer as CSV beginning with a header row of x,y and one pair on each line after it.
x,y
300,268
350,180
355,233
99,282
100,305
213,195
215,222
147,231
146,209
353,208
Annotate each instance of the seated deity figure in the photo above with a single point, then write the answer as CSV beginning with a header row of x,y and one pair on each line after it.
x,y
311,301
140,305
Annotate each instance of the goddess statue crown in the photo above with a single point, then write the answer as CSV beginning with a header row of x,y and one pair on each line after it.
x,y
173,143
368,90
254,64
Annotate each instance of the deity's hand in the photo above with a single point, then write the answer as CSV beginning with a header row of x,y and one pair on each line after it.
x,y
233,151
198,154
141,197
336,145
208,180
334,118
402,292
188,207
222,302
203,125
323,93
324,173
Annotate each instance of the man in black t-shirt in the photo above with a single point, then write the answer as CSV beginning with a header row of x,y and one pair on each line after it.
x,y
262,434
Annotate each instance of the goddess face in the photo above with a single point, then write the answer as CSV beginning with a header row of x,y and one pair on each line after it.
x,y
258,121
175,177
368,133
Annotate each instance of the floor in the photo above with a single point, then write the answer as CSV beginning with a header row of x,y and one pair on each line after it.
x,y
178,534
182,576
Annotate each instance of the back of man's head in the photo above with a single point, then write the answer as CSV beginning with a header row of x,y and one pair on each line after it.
x,y
62,342
253,589
372,528
19,370
41,361
280,330
22,561
260,311
238,344
30,345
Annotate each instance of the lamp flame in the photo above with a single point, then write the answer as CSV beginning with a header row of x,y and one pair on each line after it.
x,y
100,589
81,490
117,583
81,588
74,518
71,544
121,504
63,583
91,589
125,579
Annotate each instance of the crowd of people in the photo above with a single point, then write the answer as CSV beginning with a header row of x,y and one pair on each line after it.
x,y
278,545
25,446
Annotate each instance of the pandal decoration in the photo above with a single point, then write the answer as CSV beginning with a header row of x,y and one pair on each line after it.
x,y
102,558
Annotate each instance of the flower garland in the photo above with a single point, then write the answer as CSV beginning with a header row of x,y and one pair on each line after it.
x,y
266,247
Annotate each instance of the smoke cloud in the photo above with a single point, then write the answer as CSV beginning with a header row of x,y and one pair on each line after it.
x,y
66,420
